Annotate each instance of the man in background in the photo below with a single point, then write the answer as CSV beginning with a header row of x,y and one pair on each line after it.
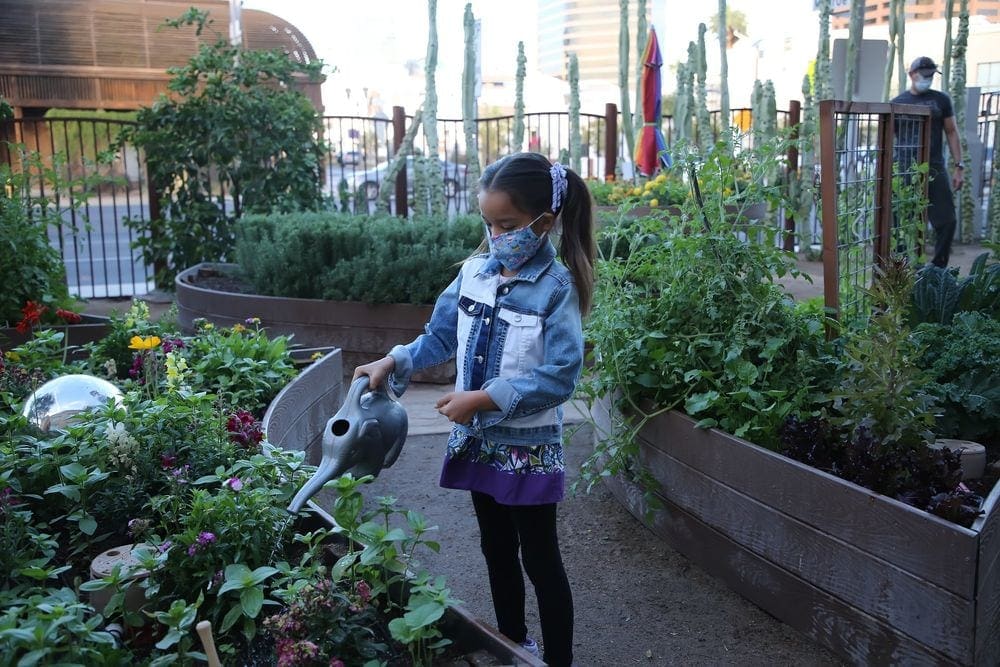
x,y
941,203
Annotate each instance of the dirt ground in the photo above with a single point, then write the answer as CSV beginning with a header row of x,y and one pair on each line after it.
x,y
637,601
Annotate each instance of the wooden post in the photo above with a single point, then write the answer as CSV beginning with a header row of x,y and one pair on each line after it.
x,y
794,113
610,140
398,130
828,192
883,193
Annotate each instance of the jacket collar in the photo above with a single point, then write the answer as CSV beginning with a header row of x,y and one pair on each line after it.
x,y
531,271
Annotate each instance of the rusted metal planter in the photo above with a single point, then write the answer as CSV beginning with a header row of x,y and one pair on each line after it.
x,y
873,579
363,332
295,420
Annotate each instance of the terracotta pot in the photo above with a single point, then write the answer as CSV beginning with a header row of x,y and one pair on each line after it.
x,y
362,331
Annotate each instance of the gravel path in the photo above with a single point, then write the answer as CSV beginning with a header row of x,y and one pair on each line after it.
x,y
637,601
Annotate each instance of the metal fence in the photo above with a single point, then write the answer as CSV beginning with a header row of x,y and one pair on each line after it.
x,y
988,129
70,173
869,154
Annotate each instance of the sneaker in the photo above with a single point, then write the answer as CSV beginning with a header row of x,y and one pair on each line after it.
x,y
531,646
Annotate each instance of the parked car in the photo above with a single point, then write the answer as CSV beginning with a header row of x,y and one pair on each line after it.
x,y
351,157
371,179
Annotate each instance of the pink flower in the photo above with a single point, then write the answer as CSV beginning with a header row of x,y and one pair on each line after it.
x,y
364,591
235,483
336,662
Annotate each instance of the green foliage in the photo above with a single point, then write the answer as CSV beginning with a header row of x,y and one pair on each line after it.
x,y
694,321
940,293
963,359
235,137
375,259
883,389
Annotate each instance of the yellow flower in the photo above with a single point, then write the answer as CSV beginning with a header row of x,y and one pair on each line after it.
x,y
637,191
13,356
147,343
662,178
315,356
239,328
654,202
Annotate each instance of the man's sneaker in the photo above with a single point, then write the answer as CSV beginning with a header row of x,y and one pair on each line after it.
x,y
531,646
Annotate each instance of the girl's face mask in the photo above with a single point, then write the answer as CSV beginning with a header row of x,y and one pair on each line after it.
x,y
513,249
923,84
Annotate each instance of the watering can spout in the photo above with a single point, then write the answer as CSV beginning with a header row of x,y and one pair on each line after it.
x,y
365,435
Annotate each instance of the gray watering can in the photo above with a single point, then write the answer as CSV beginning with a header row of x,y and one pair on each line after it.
x,y
365,435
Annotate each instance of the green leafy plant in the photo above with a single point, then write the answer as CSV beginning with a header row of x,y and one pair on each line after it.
x,y
940,293
209,165
322,255
963,360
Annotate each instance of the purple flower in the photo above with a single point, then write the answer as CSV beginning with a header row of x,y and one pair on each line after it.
x,y
205,538
164,546
235,483
171,344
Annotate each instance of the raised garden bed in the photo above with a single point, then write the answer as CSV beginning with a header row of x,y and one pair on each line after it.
x,y
363,332
295,420
90,329
872,579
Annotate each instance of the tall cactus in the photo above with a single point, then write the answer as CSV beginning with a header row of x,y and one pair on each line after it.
x,y
822,85
519,98
993,215
967,205
388,185
681,104
949,12
855,35
623,42
807,161
901,67
469,114
640,48
893,39
428,188
704,123
723,73
574,113
757,112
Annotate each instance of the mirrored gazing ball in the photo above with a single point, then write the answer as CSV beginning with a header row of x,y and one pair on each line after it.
x,y
56,402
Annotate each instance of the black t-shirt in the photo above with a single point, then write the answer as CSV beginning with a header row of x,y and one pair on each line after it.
x,y
940,107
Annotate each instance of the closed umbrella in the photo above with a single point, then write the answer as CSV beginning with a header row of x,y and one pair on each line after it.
x,y
651,148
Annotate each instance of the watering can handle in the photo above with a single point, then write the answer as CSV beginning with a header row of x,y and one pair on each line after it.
x,y
360,386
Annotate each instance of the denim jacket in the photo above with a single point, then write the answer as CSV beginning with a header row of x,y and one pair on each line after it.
x,y
521,341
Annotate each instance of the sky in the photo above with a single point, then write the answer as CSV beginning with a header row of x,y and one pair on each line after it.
x,y
368,42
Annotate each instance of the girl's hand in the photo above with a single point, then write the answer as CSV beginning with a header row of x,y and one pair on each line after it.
x,y
377,371
461,406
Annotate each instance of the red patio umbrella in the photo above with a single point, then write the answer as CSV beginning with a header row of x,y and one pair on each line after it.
x,y
651,149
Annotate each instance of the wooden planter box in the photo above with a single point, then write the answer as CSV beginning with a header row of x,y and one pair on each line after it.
x,y
295,420
363,332
872,579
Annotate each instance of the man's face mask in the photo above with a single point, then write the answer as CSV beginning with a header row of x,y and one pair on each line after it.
x,y
923,83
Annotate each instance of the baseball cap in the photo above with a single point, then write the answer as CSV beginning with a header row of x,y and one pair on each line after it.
x,y
925,65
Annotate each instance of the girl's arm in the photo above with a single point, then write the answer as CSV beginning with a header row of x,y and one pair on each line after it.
x,y
553,382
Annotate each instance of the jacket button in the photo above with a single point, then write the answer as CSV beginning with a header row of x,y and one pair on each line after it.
x,y
517,318
486,321
472,307
479,358
505,290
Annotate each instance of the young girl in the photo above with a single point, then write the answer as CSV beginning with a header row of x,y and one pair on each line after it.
x,y
511,319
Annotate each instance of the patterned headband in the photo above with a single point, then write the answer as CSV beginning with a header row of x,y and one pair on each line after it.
x,y
559,185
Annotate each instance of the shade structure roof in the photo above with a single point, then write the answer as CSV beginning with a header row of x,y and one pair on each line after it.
x,y
113,54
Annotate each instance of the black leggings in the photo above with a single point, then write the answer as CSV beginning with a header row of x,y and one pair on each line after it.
x,y
505,529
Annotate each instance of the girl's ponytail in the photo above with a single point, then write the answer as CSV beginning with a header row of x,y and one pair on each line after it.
x,y
577,247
